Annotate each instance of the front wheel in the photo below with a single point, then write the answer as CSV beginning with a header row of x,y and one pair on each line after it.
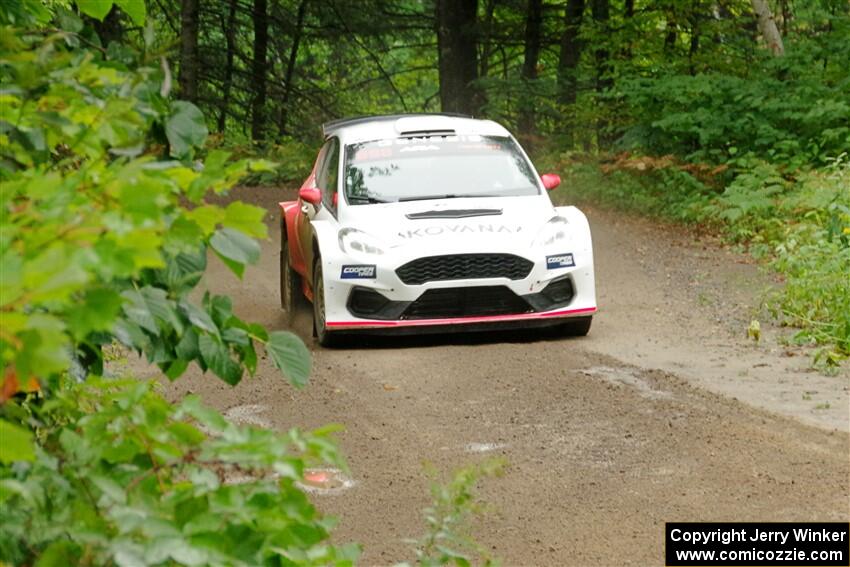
x,y
320,329
578,327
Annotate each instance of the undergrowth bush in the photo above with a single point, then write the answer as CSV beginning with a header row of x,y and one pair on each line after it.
x,y
106,235
122,477
797,222
292,159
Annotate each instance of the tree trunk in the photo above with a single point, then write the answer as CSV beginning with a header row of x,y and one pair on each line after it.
x,y
258,69
570,52
533,25
628,14
767,27
457,55
692,51
110,29
487,38
601,15
670,36
188,77
230,39
290,66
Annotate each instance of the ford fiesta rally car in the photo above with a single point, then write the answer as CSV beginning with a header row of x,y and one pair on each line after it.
x,y
432,222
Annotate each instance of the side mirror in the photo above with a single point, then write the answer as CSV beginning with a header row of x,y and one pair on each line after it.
x,y
310,195
550,180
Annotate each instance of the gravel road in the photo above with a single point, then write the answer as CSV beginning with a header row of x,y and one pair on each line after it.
x,y
663,413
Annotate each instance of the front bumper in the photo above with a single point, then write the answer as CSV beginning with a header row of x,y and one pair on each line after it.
x,y
356,304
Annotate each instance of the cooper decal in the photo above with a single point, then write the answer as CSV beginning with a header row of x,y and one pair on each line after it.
x,y
360,272
560,261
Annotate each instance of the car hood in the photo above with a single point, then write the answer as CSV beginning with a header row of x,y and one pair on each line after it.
x,y
491,220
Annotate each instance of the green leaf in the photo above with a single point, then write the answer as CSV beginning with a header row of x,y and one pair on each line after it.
x,y
235,249
199,317
137,310
135,9
162,308
217,358
96,312
291,356
111,489
207,217
16,443
245,218
97,9
59,554
187,348
176,369
183,235
45,346
185,128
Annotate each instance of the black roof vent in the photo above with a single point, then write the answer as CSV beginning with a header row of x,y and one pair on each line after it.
x,y
424,133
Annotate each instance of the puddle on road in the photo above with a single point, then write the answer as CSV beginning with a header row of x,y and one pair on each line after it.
x,y
248,414
325,481
620,376
483,447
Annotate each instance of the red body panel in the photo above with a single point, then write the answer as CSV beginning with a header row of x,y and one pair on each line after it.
x,y
290,212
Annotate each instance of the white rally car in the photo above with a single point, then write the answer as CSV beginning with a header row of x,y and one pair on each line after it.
x,y
428,223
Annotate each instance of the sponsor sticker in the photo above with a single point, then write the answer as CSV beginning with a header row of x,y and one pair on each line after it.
x,y
359,272
560,261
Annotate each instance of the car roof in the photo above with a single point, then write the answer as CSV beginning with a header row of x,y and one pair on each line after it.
x,y
366,128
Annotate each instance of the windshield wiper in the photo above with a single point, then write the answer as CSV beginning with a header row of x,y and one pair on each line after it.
x,y
446,196
367,199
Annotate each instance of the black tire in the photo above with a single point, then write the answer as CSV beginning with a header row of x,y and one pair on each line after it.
x,y
286,282
320,330
578,327
290,282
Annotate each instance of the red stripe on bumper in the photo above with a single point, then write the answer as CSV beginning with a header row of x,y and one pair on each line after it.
x,y
456,320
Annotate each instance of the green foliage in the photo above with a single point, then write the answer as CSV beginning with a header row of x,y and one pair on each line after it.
x,y
718,118
105,239
293,160
122,477
102,238
446,541
812,251
800,224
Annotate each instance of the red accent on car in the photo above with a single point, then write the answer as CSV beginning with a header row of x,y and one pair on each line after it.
x,y
288,210
310,195
550,180
458,320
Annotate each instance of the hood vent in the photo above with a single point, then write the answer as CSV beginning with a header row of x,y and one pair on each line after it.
x,y
454,214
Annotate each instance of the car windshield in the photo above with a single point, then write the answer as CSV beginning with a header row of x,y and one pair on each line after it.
x,y
436,167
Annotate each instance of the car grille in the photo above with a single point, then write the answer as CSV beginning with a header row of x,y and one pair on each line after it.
x,y
464,266
466,302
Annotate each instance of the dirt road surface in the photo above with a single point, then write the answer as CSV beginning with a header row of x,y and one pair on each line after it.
x,y
665,412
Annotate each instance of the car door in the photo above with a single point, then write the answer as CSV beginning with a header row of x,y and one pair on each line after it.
x,y
324,178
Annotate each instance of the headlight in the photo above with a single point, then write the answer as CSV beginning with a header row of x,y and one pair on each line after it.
x,y
353,241
553,231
